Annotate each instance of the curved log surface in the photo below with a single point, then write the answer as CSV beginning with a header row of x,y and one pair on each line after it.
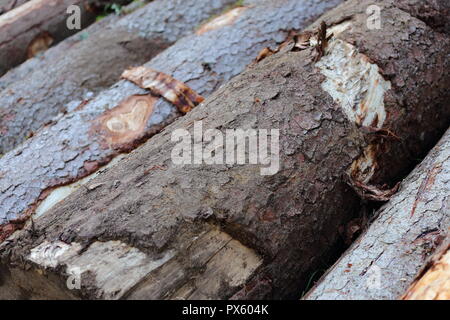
x,y
90,61
83,140
433,283
383,262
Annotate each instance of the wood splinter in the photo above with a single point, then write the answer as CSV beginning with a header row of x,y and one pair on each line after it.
x,y
370,192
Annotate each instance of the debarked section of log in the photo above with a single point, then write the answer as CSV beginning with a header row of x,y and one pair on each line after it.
x,y
122,271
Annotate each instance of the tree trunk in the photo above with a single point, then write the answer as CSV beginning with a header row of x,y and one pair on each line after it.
x,y
77,68
232,231
83,140
433,282
382,263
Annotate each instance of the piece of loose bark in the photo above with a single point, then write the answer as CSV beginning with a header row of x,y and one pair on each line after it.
x,y
227,231
89,137
91,61
433,282
161,84
383,262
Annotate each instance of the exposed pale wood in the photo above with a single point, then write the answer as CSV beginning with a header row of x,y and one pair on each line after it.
x,y
434,281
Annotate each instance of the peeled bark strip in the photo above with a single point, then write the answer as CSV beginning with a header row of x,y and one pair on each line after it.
x,y
263,233
434,281
91,61
161,84
120,119
383,262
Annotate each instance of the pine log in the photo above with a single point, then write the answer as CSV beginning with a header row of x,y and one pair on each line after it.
x,y
383,262
148,228
433,283
40,89
83,140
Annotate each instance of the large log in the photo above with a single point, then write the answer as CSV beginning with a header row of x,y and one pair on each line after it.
x,y
149,228
81,66
84,139
383,262
433,283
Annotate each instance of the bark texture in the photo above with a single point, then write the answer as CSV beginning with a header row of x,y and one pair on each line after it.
x,y
383,262
434,13
433,283
88,62
180,224
83,140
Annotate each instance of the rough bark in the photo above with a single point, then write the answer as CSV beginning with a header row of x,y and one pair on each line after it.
x,y
81,141
383,262
433,283
91,61
434,13
263,234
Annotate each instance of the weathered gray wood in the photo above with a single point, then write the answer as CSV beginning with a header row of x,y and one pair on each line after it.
x,y
273,230
383,262
81,141
37,91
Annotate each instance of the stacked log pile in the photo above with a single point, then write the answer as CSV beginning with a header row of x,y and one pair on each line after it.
x,y
234,157
30,27
42,88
